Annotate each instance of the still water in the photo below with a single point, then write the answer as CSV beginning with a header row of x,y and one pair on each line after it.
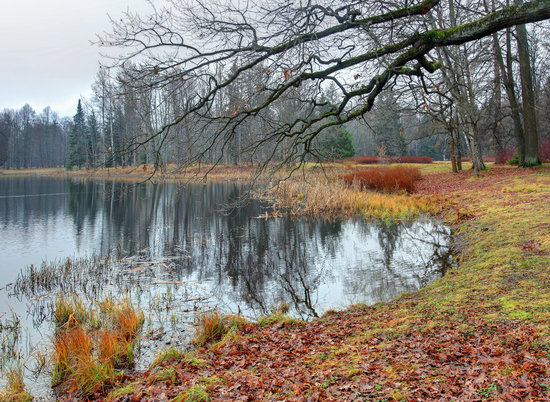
x,y
187,246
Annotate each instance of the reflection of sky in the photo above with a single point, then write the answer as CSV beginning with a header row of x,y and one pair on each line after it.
x,y
251,264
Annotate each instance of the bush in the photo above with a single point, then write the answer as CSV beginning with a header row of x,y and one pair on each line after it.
x,y
413,159
502,157
387,179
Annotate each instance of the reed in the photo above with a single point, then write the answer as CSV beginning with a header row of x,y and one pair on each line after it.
x,y
328,195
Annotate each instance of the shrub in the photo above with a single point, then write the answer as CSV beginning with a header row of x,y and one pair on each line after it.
x,y
387,179
503,156
413,159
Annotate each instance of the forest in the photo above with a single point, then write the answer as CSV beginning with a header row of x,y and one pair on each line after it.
x,y
477,103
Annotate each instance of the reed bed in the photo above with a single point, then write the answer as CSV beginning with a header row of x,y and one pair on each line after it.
x,y
316,193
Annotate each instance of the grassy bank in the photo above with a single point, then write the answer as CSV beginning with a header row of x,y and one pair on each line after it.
x,y
480,332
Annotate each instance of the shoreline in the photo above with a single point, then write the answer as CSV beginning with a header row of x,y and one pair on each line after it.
x,y
485,324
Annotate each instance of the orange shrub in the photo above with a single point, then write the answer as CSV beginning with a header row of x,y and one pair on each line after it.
x,y
388,179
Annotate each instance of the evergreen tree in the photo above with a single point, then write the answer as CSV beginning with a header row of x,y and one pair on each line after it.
x,y
337,144
386,124
77,139
92,140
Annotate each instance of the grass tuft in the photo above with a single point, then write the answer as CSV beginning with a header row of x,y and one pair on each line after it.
x,y
172,354
280,318
90,347
213,327
195,394
15,387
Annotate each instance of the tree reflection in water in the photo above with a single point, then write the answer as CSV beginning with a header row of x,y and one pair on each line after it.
x,y
250,263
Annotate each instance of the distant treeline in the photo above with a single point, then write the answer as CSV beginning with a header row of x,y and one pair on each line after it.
x,y
31,140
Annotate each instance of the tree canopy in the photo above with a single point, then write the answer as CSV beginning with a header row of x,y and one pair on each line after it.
x,y
262,55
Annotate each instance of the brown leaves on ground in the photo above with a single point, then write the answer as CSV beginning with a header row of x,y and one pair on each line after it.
x,y
350,355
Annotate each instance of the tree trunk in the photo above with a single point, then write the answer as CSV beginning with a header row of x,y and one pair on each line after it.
x,y
528,99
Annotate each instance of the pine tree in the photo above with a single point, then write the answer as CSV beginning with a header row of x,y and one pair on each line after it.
x,y
387,127
337,144
77,139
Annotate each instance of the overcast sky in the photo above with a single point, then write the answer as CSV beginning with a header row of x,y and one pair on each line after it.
x,y
45,52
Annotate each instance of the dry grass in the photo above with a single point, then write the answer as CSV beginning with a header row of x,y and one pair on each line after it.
x,y
88,352
15,387
326,194
387,179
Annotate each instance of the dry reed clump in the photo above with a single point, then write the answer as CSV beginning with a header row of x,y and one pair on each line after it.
x,y
317,193
88,353
386,179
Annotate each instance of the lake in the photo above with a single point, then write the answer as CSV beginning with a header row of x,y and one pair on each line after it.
x,y
180,249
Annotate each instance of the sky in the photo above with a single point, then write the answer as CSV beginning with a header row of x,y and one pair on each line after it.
x,y
46,58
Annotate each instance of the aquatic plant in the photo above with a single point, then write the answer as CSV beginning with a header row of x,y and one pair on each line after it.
x,y
89,351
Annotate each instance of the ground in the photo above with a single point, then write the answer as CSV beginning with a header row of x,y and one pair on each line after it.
x,y
481,332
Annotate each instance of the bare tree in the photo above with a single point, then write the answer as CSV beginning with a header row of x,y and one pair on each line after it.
x,y
362,47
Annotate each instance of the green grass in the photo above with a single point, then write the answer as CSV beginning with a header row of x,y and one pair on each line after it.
x,y
278,317
195,394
